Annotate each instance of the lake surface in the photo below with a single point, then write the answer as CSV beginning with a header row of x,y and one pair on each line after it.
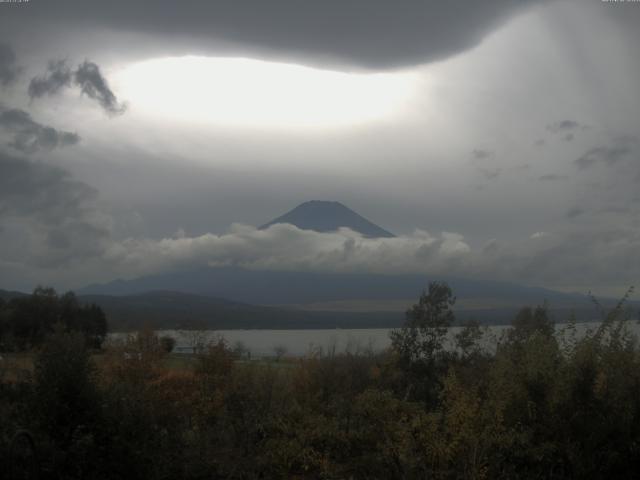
x,y
263,343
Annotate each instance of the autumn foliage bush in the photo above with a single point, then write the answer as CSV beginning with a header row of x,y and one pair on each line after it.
x,y
541,402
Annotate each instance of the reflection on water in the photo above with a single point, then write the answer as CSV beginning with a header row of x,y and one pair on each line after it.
x,y
263,343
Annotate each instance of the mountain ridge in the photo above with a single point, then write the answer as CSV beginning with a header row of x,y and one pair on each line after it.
x,y
179,310
271,287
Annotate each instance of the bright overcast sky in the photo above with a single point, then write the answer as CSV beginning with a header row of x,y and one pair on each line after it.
x,y
500,137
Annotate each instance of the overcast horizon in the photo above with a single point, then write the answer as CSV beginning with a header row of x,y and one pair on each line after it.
x,y
498,140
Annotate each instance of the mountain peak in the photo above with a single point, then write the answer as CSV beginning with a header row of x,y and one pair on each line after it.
x,y
329,216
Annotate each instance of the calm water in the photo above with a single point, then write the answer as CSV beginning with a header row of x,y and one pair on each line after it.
x,y
263,343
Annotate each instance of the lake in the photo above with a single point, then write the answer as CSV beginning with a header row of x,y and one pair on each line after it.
x,y
263,343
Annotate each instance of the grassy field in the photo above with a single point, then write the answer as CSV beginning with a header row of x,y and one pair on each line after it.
x,y
18,366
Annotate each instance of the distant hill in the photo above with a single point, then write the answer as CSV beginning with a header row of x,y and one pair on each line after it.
x,y
268,287
323,216
180,310
8,295
176,310
303,298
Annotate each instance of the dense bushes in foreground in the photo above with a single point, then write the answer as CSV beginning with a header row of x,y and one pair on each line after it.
x,y
541,405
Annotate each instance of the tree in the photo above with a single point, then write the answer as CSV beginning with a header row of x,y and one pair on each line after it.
x,y
530,321
167,343
468,340
65,390
28,320
32,318
240,349
428,321
419,345
4,315
279,351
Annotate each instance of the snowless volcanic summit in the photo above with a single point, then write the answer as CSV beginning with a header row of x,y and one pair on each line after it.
x,y
326,216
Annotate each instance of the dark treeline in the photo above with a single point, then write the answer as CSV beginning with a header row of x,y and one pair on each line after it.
x,y
542,404
25,321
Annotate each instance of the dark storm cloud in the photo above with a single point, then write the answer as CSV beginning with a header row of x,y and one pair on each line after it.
x,y
58,212
615,209
29,188
619,149
369,33
490,173
57,77
9,68
552,177
479,158
91,82
74,241
566,128
29,136
481,154
87,77
574,212
563,126
611,258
